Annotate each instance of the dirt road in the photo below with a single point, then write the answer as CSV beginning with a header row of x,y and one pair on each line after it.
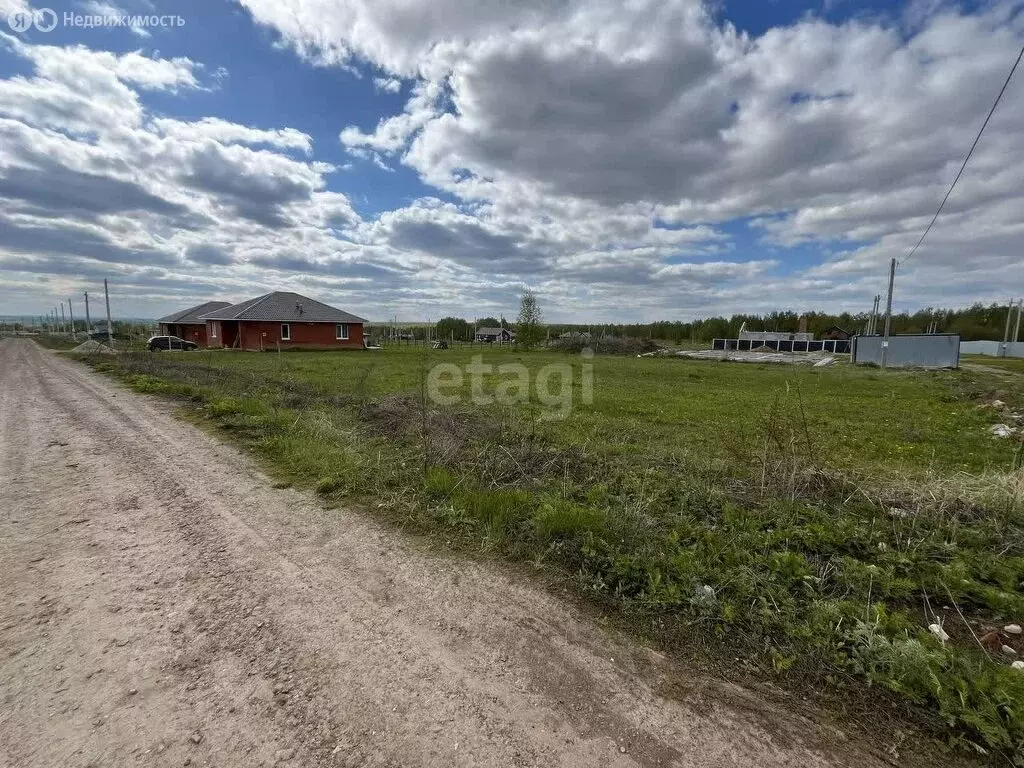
x,y
163,605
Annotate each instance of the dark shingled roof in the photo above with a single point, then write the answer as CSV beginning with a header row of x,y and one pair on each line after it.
x,y
193,314
493,331
283,307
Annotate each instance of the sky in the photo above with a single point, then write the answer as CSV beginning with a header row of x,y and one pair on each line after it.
x,y
627,160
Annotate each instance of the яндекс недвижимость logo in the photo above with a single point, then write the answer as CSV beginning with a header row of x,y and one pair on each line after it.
x,y
46,19
43,19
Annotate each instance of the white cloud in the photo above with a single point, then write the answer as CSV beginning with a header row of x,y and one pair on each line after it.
x,y
655,109
393,133
101,8
606,153
370,156
110,10
387,84
396,34
90,182
85,91
226,132
8,7
78,65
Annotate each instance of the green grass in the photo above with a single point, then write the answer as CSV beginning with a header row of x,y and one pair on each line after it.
x,y
1014,364
58,342
678,409
810,522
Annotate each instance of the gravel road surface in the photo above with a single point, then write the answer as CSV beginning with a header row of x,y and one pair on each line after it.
x,y
162,604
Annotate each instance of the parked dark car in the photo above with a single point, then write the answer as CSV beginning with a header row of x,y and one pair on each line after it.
x,y
161,343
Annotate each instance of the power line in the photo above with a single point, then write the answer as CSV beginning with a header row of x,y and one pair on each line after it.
x,y
975,144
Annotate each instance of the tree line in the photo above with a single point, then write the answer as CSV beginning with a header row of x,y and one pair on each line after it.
x,y
974,323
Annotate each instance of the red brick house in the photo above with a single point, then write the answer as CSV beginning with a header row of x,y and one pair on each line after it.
x,y
187,324
283,320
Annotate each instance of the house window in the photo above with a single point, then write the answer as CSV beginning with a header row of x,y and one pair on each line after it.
x,y
341,331
286,332
213,329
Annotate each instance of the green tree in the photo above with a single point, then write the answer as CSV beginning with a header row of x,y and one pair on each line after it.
x,y
453,328
529,324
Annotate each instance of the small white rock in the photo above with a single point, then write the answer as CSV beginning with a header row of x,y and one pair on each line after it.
x,y
706,592
938,631
1009,651
1019,665
1001,430
998,404
1012,629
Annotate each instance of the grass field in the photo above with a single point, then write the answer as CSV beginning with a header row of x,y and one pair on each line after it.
x,y
1013,364
58,341
808,523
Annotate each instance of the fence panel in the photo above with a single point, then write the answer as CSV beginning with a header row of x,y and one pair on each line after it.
x,y
924,350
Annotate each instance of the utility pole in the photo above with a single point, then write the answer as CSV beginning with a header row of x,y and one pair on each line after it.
x,y
110,328
71,311
1016,328
1006,333
88,322
888,313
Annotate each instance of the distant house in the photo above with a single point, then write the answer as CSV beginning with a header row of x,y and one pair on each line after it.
x,y
186,324
98,331
773,335
283,320
495,335
835,332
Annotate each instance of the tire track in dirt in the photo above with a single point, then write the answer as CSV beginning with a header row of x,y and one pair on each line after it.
x,y
255,627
